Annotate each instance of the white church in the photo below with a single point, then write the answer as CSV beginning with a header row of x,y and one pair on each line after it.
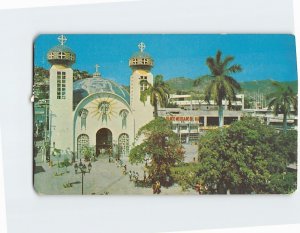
x,y
96,111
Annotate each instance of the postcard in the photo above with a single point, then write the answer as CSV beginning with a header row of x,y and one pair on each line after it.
x,y
164,114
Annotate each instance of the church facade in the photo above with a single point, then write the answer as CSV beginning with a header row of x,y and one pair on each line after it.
x,y
96,111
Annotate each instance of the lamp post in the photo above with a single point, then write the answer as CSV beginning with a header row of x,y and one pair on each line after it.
x,y
83,169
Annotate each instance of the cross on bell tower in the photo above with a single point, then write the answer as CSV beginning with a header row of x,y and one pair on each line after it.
x,y
142,46
62,39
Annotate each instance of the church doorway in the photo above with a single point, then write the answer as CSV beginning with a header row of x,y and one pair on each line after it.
x,y
103,141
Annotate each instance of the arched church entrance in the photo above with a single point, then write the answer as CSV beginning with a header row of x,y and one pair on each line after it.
x,y
103,141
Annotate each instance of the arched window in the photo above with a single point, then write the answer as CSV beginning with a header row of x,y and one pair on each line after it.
x,y
123,114
83,115
123,144
82,141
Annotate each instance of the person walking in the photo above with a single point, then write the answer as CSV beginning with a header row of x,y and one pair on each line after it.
x,y
136,176
154,188
158,187
145,177
124,170
130,175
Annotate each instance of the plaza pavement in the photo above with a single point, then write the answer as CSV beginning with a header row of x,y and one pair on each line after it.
x,y
104,178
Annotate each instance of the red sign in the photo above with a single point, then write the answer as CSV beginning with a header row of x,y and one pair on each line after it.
x,y
182,118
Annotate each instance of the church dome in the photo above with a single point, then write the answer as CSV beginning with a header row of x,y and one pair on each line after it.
x,y
61,54
140,54
141,59
88,86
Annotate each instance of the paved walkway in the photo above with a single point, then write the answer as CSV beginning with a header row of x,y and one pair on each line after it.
x,y
105,178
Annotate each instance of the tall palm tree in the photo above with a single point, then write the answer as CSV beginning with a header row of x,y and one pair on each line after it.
x,y
221,84
158,92
282,101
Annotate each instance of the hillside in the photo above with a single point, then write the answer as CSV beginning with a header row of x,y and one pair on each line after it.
x,y
181,83
185,85
265,86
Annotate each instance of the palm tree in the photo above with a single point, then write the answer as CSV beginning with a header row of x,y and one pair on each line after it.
x,y
221,85
158,92
282,101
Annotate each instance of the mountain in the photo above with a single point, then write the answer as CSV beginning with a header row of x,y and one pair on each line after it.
x,y
265,86
182,85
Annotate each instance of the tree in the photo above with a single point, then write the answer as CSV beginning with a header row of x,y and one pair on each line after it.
x,y
66,163
283,183
87,153
79,75
161,145
186,175
222,85
41,83
248,102
287,145
158,92
282,101
243,158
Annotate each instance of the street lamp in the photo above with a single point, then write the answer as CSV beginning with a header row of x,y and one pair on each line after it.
x,y
83,169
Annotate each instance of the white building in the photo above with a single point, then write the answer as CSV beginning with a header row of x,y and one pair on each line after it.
x,y
190,124
187,102
267,116
96,111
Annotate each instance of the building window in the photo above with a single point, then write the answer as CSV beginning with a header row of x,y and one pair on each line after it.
x,y
61,85
135,61
51,56
123,114
183,127
123,144
82,142
61,55
144,85
144,61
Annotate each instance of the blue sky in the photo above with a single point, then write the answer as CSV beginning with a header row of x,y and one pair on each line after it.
x,y
261,56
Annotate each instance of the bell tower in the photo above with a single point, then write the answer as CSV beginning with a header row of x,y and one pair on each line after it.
x,y
61,59
141,64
